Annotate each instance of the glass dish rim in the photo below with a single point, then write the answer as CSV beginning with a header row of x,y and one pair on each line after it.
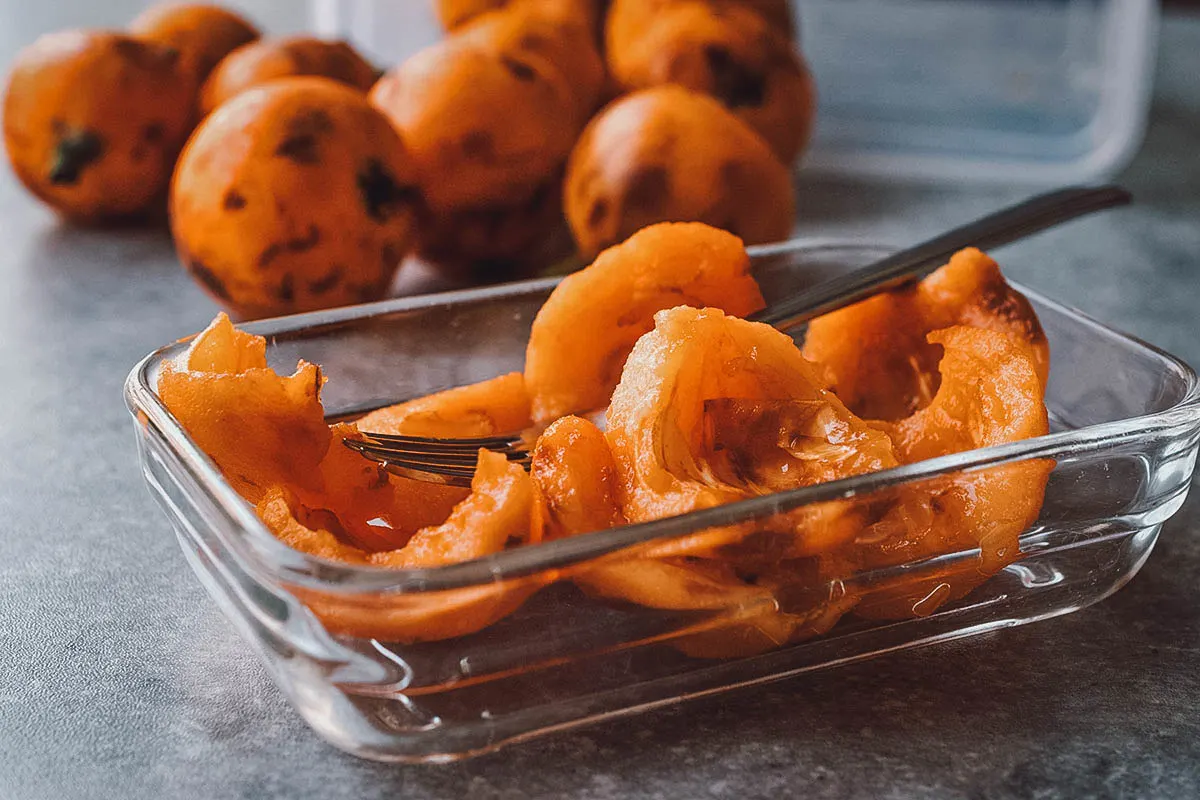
x,y
265,556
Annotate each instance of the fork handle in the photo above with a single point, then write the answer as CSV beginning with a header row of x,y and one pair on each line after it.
x,y
1007,225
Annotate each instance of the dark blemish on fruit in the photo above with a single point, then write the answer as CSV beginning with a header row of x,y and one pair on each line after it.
x,y
304,131
300,149
273,250
74,153
649,190
299,244
327,281
543,194
734,84
209,278
129,49
479,146
519,69
304,243
233,201
598,213
145,54
381,195
154,133
287,289
739,178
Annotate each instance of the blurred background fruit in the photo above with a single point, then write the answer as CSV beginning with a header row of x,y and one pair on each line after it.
x,y
270,59
203,34
667,154
93,121
295,195
473,134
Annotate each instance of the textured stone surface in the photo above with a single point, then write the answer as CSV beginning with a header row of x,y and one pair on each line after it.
x,y
118,678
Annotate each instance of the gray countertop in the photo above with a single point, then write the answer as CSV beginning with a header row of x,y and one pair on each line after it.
x,y
118,677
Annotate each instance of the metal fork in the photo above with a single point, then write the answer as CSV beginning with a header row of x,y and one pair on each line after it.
x,y
452,461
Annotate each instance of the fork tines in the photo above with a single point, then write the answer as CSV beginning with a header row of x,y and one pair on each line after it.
x,y
450,461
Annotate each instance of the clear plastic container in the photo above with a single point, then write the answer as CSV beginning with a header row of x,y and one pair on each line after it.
x,y
1125,430
1036,91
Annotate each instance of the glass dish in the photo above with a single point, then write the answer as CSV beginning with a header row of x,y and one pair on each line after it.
x,y
1125,426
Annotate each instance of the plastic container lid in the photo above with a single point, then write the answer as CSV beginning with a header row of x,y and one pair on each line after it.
x,y
1042,91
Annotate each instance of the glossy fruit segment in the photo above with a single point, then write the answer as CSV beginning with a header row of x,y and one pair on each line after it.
x,y
421,616
713,409
281,511
576,479
266,431
496,512
694,393
703,408
261,429
267,434
588,326
990,394
367,506
499,405
876,351
680,584
802,606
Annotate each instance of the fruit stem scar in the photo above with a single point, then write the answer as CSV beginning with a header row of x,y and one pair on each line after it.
x,y
74,152
735,84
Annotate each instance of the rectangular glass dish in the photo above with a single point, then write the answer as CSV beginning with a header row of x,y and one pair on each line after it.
x,y
1125,421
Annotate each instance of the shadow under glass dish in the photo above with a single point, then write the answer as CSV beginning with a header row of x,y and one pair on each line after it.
x,y
1126,421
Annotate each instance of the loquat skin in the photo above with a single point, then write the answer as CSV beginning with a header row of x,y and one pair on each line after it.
x,y
203,34
270,59
547,42
584,332
93,121
670,155
490,115
453,14
295,195
486,124
735,56
490,243
626,19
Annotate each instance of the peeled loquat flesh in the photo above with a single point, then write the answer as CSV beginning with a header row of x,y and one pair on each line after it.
x,y
589,324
